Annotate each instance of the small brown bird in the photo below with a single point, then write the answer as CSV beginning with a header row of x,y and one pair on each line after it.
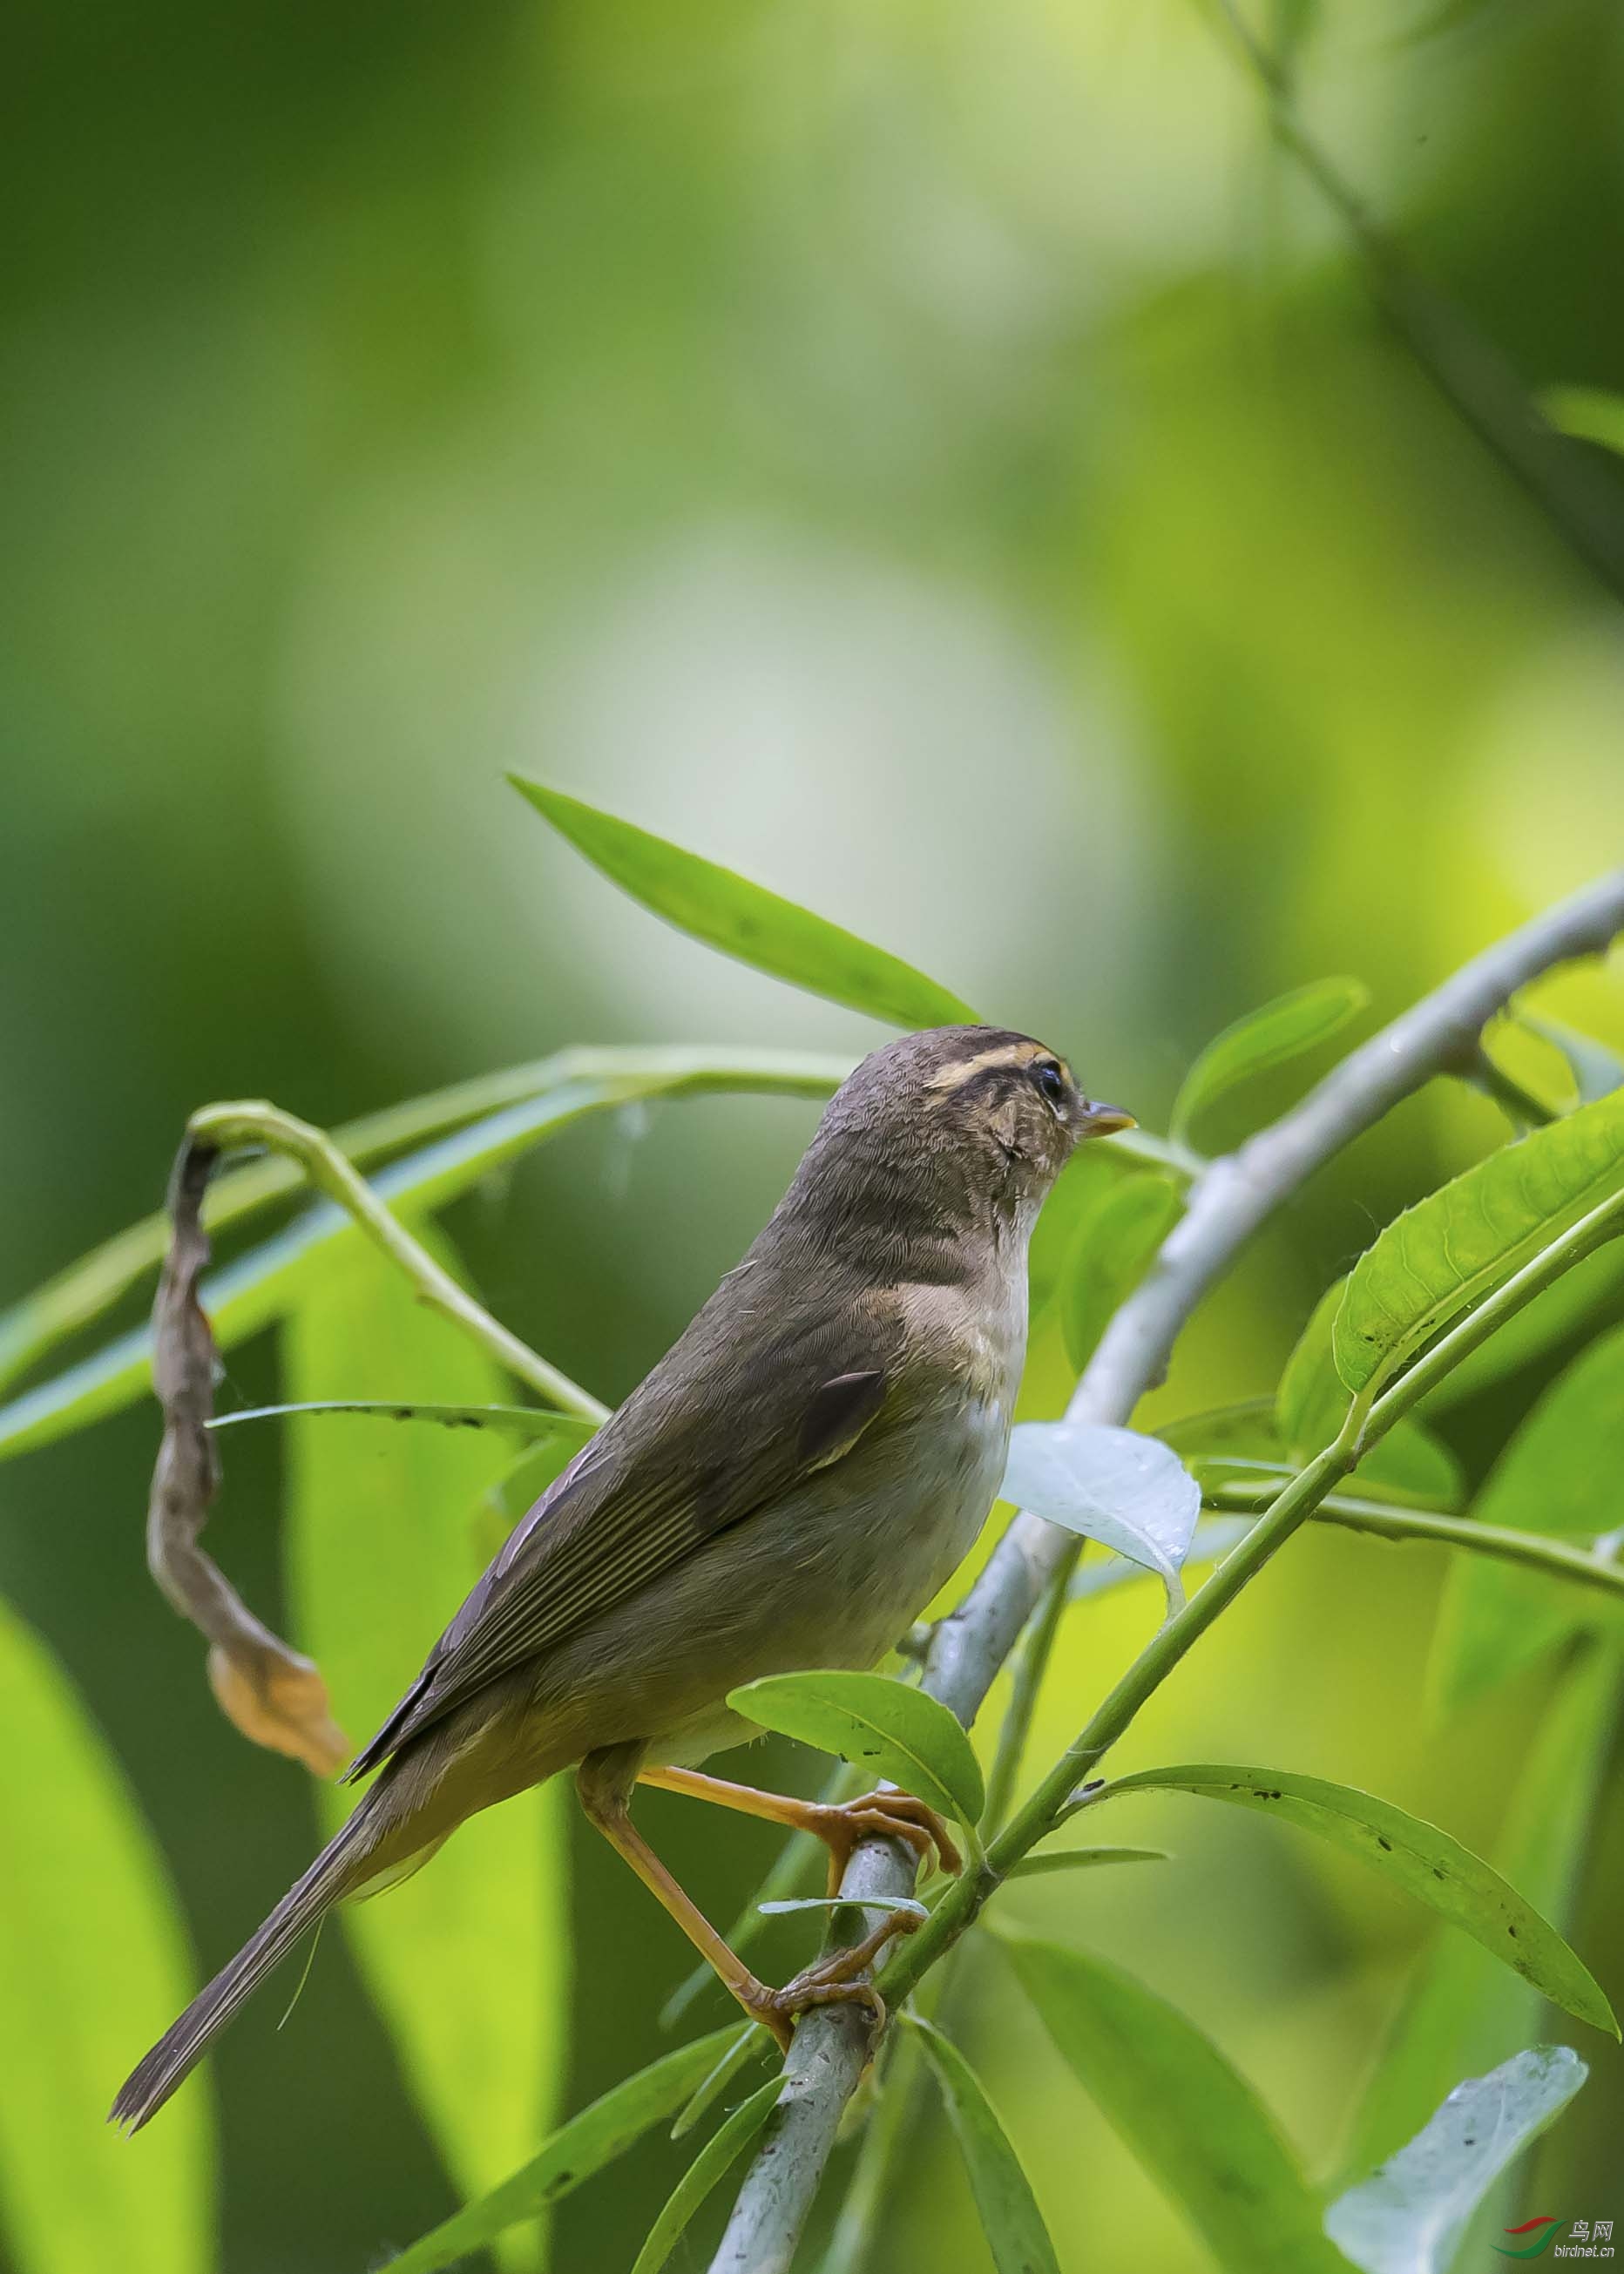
x,y
787,1489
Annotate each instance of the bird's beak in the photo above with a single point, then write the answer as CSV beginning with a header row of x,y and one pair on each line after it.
x,y
1103,1120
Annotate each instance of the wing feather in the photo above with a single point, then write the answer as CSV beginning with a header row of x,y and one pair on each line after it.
x,y
714,1433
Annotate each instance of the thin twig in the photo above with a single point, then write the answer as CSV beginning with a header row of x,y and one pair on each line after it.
x,y
1227,1204
1470,372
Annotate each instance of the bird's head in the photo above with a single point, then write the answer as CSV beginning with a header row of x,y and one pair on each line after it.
x,y
952,1119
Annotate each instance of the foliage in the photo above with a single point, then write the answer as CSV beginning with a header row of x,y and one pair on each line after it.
x,y
398,1521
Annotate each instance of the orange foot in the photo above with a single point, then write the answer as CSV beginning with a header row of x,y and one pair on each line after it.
x,y
829,1982
841,1825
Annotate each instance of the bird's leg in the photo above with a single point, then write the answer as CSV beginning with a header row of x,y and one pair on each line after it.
x,y
603,1780
839,1825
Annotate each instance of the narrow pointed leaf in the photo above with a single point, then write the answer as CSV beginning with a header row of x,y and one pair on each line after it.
x,y
1114,1247
578,2149
780,1906
1050,1860
746,921
892,1730
726,2145
1416,1854
751,2040
1495,1619
1010,2219
1445,1254
1459,2012
1197,2126
1266,1038
532,1421
467,1962
93,1964
1409,2217
1131,1492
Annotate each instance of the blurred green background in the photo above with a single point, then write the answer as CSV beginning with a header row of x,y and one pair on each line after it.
x,y
944,462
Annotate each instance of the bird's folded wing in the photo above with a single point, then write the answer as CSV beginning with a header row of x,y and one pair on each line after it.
x,y
709,1437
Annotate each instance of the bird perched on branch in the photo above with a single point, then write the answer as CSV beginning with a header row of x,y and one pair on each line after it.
x,y
787,1489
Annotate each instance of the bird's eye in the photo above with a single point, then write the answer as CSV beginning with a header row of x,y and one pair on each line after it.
x,y
1050,1081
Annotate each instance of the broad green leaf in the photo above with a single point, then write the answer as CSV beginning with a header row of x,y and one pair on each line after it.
x,y
726,2145
93,1964
1266,1038
1557,1314
891,1729
574,2153
1114,1247
1313,1404
1460,2011
1597,1071
533,1421
1131,1492
1443,1256
1010,2219
1590,414
1409,2218
469,1961
1557,1475
1416,1854
1197,2126
747,922
1050,1860
1088,1178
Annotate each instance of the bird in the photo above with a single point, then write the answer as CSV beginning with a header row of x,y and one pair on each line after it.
x,y
787,1489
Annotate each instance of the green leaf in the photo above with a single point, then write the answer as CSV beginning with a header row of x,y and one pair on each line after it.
x,y
1555,1476
469,1961
1460,2011
1417,1855
1131,1492
1409,2218
779,1906
1010,2219
1444,1256
726,2145
574,2153
1597,1071
1313,1404
1553,1317
747,922
1266,1038
1233,1445
891,1729
1197,2126
93,1964
533,1421
1590,414
1114,1247
1049,1860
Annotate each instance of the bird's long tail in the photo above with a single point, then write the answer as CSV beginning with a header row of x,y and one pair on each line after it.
x,y
341,1867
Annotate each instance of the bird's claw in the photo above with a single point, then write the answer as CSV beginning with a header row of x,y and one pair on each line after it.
x,y
843,1824
832,1981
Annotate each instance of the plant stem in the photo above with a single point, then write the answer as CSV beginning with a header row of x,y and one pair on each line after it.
x,y
226,1126
1534,1551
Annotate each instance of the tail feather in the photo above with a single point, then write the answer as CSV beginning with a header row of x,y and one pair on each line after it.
x,y
182,2045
